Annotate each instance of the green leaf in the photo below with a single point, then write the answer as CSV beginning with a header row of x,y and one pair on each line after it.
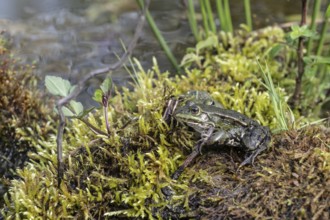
x,y
211,41
72,88
316,60
77,107
190,58
57,85
67,112
273,51
327,13
106,85
98,95
302,31
84,113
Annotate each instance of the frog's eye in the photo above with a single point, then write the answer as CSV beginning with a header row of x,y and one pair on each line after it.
x,y
194,109
209,102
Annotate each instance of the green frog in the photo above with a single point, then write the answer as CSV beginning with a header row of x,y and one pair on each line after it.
x,y
194,96
224,127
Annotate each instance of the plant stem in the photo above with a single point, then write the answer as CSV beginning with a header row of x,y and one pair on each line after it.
x,y
93,128
316,10
105,102
160,37
323,32
248,17
221,15
192,19
300,62
204,17
228,16
209,13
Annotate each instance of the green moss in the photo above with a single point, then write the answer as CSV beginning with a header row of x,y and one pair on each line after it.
x,y
124,174
24,119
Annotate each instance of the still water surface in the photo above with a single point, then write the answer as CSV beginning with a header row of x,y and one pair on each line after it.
x,y
68,38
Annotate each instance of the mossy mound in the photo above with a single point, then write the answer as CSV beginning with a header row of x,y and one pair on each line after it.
x,y
23,116
290,181
124,174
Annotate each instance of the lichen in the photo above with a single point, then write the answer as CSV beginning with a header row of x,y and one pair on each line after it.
x,y
125,174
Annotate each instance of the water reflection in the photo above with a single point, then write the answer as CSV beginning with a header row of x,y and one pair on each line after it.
x,y
24,9
68,38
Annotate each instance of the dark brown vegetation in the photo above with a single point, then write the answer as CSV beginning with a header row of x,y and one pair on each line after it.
x,y
23,117
290,181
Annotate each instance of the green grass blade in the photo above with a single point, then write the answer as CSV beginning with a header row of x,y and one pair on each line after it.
x,y
279,109
192,20
204,16
228,16
323,32
160,37
316,9
221,15
248,16
209,13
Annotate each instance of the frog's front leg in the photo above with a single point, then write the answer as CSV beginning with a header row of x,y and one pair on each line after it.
x,y
207,138
220,137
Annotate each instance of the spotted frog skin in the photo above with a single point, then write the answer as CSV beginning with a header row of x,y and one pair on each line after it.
x,y
223,127
198,97
192,96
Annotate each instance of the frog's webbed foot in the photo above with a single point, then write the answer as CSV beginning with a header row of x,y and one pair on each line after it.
x,y
248,160
252,156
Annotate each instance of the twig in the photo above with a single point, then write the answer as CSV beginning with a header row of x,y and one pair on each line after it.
x,y
81,85
105,103
300,62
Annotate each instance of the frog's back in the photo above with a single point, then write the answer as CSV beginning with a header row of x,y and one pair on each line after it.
x,y
229,115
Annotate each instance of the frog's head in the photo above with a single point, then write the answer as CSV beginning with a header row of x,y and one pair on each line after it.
x,y
198,97
194,116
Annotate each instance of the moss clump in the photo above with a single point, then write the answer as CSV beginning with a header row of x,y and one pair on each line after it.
x,y
124,174
23,118
290,181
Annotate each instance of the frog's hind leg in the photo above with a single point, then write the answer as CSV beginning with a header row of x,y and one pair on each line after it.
x,y
252,156
181,168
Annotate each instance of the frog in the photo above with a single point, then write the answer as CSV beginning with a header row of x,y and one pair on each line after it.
x,y
195,96
222,127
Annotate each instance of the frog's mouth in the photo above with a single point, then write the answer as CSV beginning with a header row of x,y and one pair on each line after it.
x,y
197,125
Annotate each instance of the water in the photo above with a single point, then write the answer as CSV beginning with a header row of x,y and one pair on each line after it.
x,y
69,38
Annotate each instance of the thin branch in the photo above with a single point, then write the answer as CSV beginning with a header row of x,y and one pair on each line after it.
x,y
81,85
105,102
300,61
